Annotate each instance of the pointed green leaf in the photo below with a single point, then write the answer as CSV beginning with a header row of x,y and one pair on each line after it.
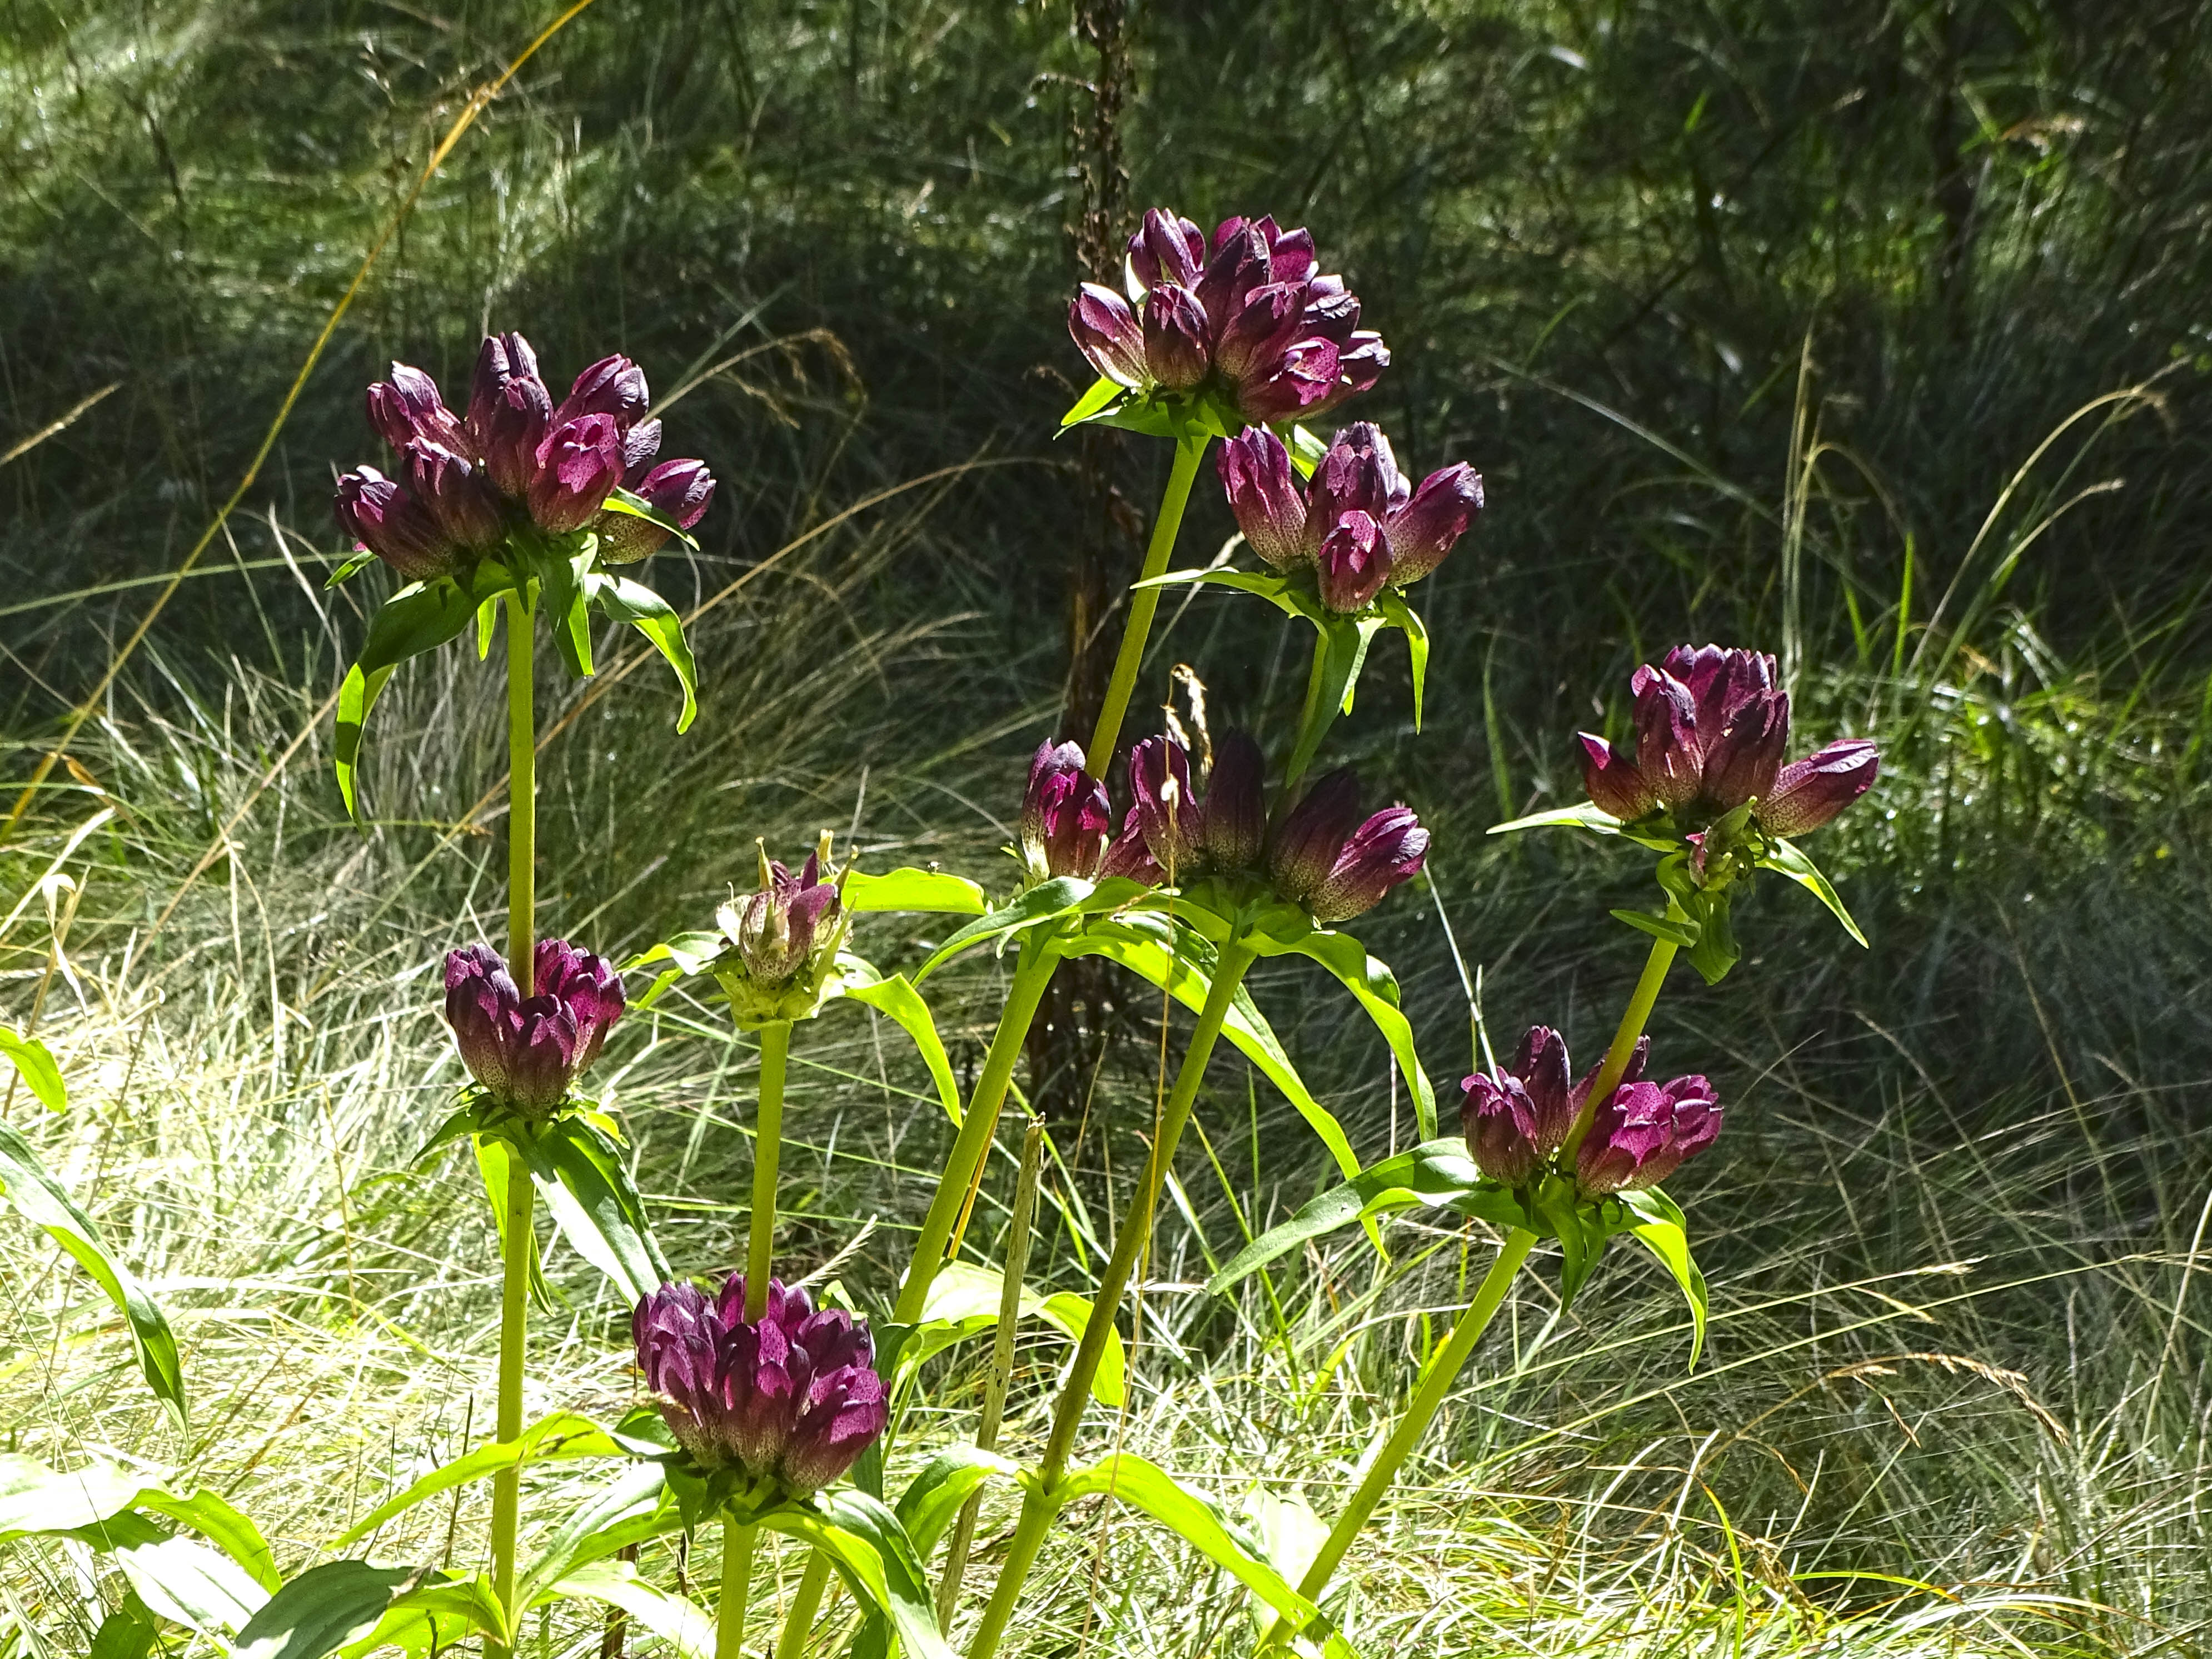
x,y
675,1620
185,1581
935,891
45,1204
1659,1224
128,1632
1140,942
562,1435
357,695
873,1555
1789,858
36,1067
964,1302
654,617
568,585
1583,815
1104,392
360,560
1374,988
933,1498
1684,933
221,1523
635,1506
636,506
897,999
487,619
322,1610
595,1204
1391,602
1049,901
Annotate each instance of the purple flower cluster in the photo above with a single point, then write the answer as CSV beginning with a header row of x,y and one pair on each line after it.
x,y
778,932
1359,525
1517,1122
527,1052
1250,316
463,481
794,1399
1325,855
1711,729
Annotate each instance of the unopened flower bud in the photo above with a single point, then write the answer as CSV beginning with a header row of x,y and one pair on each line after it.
x,y
578,464
1806,794
385,520
1353,563
1644,1132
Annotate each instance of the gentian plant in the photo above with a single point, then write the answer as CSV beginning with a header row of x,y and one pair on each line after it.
x,y
763,1409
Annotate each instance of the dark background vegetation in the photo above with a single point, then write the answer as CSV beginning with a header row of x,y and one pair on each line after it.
x,y
1754,316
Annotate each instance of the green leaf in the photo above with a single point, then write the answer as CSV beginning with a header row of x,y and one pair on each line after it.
x,y
676,1621
1140,942
636,506
415,619
1198,1521
1580,1244
1438,1172
44,1203
654,617
34,1500
126,1633
1583,815
323,1609
692,953
1307,447
933,1499
897,999
1789,858
1049,901
36,1067
221,1523
496,1163
874,1557
353,566
1104,392
1659,1224
636,1505
1374,988
964,1302
1715,951
487,619
1391,602
562,1435
185,1581
1684,933
935,891
596,1204
567,603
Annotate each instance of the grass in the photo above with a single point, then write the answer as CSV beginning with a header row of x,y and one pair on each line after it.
x,y
1954,1401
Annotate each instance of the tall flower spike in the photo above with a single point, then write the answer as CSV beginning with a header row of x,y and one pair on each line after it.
x,y
791,1400
1359,525
528,1051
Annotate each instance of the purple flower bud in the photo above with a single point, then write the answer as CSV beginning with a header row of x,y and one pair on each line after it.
x,y
1668,752
578,464
459,497
383,518
1541,1066
1107,331
791,921
1500,1126
505,361
1129,857
1423,530
1239,264
407,409
613,385
640,444
1253,340
1263,493
1354,563
1613,779
1166,248
678,490
1303,383
1720,680
1232,831
514,425
1305,845
1806,794
1358,474
1066,817
1741,762
1386,849
1176,336
1360,361
1644,1132
527,1052
792,1397
1166,807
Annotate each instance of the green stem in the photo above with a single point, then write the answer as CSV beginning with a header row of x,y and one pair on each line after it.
x,y
1436,1385
1633,1021
517,1235
1143,603
1033,972
767,1145
1313,721
737,1546
1042,1502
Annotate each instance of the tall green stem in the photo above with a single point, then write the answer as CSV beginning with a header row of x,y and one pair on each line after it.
x,y
738,1545
768,1147
1313,721
1428,1398
1632,1021
1042,1502
1033,971
517,1235
1143,603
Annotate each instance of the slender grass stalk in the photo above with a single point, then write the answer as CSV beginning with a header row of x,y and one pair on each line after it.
x,y
1633,1021
1428,1398
1143,603
517,1236
1041,1503
1002,1364
737,1546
